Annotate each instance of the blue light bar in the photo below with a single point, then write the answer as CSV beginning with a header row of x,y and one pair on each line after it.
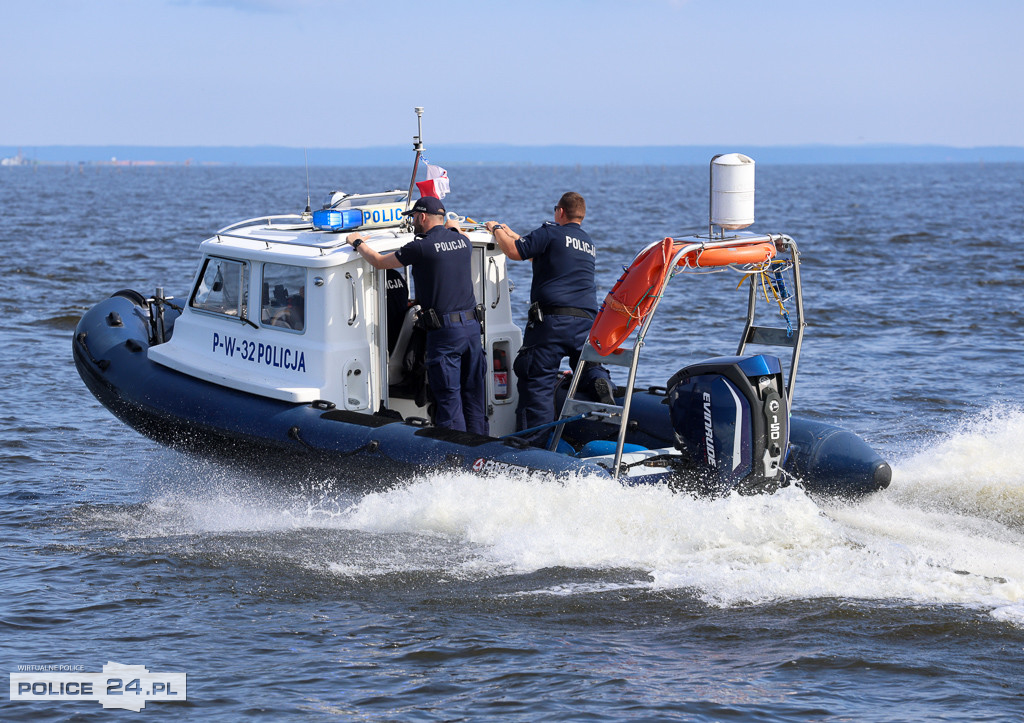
x,y
337,219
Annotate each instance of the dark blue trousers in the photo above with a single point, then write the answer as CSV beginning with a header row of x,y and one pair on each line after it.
x,y
545,344
456,370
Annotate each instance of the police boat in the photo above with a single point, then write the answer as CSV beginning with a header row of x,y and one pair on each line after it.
x,y
290,348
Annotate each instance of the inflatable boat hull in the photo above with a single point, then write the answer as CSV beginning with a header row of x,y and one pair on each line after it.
x,y
183,412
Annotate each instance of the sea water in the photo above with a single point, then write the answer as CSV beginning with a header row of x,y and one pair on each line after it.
x,y
457,597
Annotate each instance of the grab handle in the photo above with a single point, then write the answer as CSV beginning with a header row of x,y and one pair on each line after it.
x,y
355,301
497,280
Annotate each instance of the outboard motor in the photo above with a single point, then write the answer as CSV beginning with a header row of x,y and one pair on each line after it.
x,y
731,419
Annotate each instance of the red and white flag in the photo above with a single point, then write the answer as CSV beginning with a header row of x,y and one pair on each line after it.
x,y
436,184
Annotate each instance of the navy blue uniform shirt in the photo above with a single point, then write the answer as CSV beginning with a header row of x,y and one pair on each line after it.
x,y
563,265
441,261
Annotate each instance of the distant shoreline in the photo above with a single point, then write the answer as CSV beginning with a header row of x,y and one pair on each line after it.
x,y
559,155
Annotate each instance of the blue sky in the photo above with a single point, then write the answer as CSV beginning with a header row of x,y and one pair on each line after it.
x,y
345,73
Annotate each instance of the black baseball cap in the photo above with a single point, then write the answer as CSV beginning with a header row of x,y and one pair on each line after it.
x,y
427,204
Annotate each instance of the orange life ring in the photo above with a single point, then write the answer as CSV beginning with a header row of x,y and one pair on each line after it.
x,y
634,294
631,298
752,254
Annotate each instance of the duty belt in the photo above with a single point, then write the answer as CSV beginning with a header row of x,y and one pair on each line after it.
x,y
457,317
433,320
567,311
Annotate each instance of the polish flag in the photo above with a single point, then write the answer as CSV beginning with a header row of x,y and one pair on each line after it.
x,y
436,184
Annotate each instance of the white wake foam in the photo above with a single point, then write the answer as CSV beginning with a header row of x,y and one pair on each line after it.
x,y
977,470
949,530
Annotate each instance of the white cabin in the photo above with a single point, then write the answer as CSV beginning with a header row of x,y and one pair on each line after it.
x,y
284,308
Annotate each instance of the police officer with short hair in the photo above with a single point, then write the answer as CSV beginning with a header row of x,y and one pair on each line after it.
x,y
563,299
441,260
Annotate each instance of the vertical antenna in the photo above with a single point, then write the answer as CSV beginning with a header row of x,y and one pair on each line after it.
x,y
305,157
417,145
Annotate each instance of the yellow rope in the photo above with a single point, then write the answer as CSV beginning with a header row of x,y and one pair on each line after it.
x,y
765,285
617,306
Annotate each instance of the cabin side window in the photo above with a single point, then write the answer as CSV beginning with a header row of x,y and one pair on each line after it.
x,y
284,297
222,287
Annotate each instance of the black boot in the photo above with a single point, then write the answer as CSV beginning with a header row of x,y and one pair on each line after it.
x,y
603,391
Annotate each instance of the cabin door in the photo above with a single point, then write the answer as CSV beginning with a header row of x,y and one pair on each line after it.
x,y
399,343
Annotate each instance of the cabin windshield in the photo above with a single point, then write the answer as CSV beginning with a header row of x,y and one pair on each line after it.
x,y
222,287
283,303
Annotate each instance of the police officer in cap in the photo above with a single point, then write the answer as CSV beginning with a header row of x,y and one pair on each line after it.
x,y
563,300
441,259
